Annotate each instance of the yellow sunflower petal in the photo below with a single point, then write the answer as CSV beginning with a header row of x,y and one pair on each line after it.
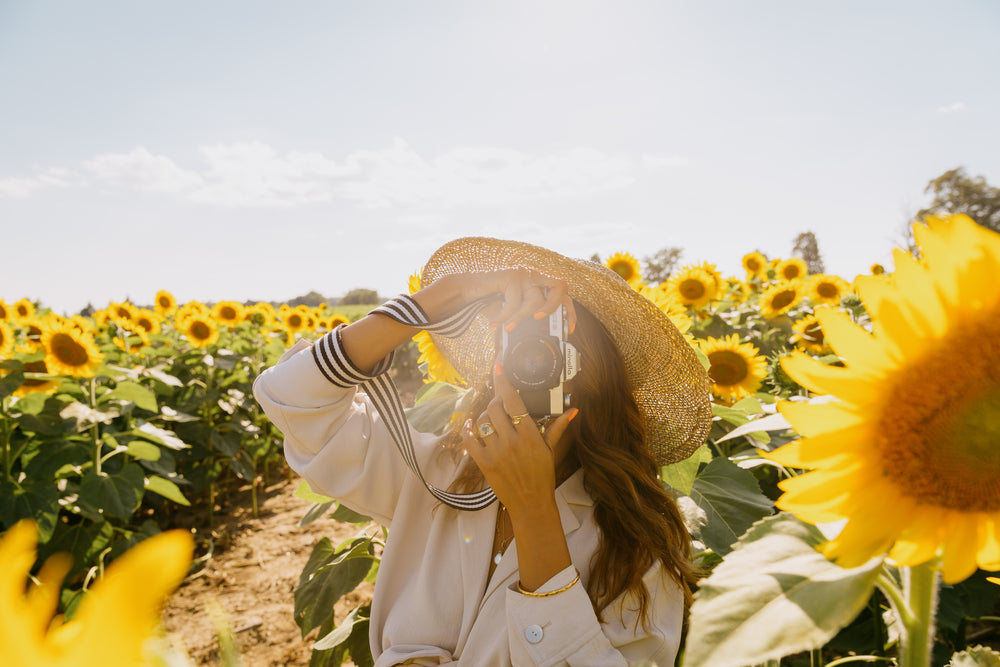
x,y
823,379
826,449
812,419
988,554
958,561
861,350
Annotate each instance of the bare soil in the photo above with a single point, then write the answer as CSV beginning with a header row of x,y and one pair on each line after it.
x,y
251,572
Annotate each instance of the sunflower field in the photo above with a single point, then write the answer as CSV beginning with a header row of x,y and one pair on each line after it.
x,y
845,507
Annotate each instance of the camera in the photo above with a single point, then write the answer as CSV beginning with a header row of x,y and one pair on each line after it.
x,y
538,358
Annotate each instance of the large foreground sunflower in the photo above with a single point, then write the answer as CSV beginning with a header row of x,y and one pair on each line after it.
x,y
68,351
439,369
910,453
736,370
113,621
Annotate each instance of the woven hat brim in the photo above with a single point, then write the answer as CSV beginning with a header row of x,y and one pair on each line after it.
x,y
670,386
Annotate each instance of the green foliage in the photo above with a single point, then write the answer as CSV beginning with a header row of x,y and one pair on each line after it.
x,y
359,296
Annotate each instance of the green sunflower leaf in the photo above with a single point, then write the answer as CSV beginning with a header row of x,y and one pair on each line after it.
x,y
774,595
732,502
135,393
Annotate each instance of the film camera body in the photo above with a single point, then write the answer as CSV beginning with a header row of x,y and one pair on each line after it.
x,y
538,358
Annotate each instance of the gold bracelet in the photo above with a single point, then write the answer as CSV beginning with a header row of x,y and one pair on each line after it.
x,y
550,593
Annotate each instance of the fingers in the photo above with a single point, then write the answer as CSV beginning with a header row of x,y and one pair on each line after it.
x,y
529,294
554,431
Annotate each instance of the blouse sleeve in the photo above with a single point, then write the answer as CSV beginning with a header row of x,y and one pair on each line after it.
x,y
334,437
564,630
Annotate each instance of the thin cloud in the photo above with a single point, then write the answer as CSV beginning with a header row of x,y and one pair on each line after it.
x,y
254,174
954,107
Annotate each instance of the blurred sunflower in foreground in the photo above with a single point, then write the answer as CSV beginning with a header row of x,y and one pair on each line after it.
x,y
909,455
114,620
439,369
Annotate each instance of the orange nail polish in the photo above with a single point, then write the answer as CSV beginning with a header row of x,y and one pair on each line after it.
x,y
572,327
539,315
575,413
510,327
498,369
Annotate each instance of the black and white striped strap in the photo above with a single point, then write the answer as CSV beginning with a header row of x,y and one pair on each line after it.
x,y
341,371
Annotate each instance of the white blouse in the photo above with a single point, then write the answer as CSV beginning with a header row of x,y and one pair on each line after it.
x,y
432,603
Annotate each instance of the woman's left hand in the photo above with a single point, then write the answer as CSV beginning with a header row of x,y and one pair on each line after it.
x,y
516,459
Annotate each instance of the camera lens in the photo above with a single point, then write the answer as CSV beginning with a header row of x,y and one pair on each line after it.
x,y
534,362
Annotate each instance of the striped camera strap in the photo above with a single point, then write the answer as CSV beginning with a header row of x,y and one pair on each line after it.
x,y
339,370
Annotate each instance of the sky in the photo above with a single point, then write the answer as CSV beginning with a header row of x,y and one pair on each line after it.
x,y
251,150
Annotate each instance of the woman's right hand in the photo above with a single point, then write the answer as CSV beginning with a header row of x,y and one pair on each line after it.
x,y
526,294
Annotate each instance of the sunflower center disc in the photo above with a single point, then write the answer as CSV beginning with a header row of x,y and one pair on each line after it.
x,y
728,368
692,289
940,430
68,351
782,299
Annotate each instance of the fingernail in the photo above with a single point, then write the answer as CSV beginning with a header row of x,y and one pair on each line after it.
x,y
498,369
572,327
510,327
575,413
468,424
493,325
539,315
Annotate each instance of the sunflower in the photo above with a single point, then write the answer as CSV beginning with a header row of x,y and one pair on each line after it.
x,y
755,264
737,370
626,266
261,314
114,619
809,335
294,321
131,340
22,310
826,289
122,313
83,324
33,327
70,352
908,455
191,309
693,287
200,330
791,269
675,311
147,322
5,311
101,317
877,269
438,367
779,298
35,385
335,320
165,303
230,313
6,339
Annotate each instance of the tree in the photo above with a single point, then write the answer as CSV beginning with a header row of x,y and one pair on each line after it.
x,y
807,248
955,192
661,264
360,296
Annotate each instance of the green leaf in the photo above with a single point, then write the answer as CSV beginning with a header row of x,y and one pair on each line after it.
x,y
774,595
36,499
315,511
159,436
132,392
10,383
115,495
347,515
681,475
437,403
977,656
327,576
305,492
146,451
731,500
32,404
775,422
340,634
732,415
166,488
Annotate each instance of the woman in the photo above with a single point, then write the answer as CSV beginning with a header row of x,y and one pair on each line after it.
x,y
584,558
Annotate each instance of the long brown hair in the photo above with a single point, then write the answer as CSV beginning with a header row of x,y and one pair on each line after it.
x,y
639,520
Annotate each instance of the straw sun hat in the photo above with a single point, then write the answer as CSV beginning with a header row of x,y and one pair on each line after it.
x,y
668,382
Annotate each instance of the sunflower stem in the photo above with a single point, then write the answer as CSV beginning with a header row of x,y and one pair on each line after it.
x,y
920,589
95,429
5,432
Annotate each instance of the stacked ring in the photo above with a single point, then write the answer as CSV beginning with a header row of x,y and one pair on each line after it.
x,y
486,429
516,419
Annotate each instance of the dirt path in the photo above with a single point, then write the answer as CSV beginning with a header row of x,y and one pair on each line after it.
x,y
251,574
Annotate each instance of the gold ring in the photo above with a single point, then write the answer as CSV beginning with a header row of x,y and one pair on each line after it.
x,y
516,419
486,429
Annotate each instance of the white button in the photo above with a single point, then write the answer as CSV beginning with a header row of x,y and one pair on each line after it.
x,y
533,633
